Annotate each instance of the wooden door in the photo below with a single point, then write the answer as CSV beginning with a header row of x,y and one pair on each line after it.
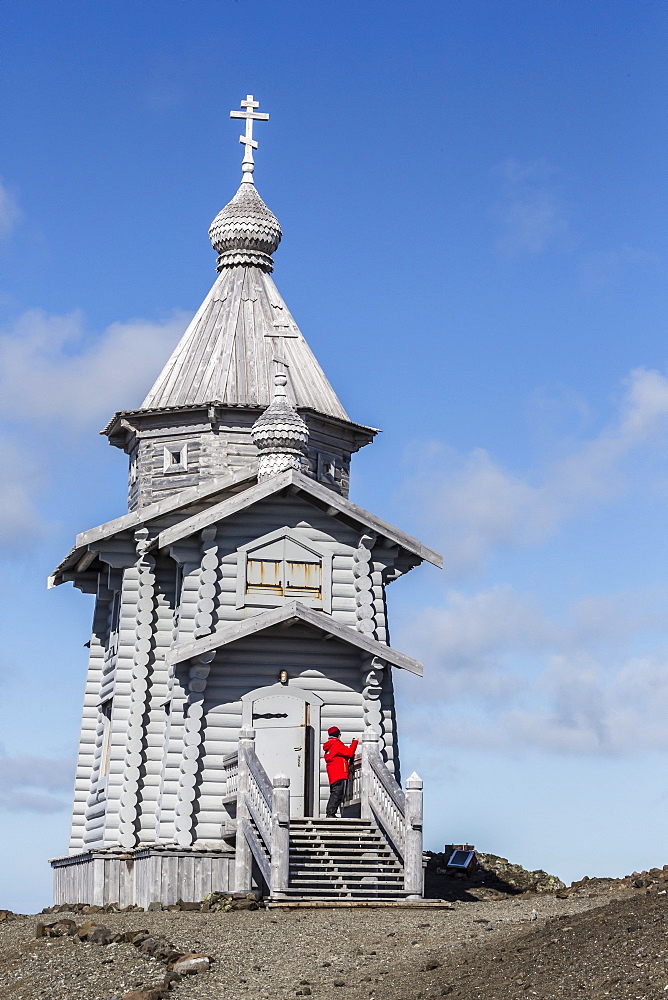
x,y
282,742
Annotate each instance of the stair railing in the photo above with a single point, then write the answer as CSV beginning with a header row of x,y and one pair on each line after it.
x,y
353,793
231,776
263,822
398,813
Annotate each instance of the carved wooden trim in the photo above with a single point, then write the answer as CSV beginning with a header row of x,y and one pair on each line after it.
x,y
135,742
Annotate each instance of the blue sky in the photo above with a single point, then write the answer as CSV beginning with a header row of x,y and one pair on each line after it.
x,y
473,205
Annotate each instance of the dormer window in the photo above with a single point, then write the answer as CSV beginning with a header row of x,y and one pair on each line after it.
x,y
175,457
281,567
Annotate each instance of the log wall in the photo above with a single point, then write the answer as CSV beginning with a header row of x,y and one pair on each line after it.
x,y
170,598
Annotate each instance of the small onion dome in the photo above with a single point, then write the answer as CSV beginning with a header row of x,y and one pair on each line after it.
x,y
245,231
280,434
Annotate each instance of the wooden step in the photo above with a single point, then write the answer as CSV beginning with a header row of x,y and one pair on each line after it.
x,y
377,864
314,893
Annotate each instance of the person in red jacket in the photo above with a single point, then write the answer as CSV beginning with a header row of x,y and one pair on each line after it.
x,y
337,759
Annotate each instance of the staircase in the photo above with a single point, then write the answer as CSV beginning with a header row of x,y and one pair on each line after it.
x,y
309,859
341,859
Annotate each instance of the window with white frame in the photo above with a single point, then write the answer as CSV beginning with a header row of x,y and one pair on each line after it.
x,y
282,567
175,457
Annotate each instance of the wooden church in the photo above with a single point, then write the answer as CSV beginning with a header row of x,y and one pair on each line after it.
x,y
239,613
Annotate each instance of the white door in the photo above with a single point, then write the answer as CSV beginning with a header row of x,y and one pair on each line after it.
x,y
281,729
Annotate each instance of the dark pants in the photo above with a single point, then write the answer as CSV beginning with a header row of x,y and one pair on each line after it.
x,y
337,790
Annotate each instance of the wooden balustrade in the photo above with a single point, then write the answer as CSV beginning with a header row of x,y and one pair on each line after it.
x,y
231,775
398,813
354,784
263,821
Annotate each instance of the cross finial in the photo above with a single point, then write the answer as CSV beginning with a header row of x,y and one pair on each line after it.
x,y
251,115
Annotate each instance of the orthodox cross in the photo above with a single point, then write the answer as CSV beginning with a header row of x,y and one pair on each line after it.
x,y
250,115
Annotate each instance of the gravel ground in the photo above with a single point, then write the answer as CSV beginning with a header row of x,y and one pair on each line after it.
x,y
491,949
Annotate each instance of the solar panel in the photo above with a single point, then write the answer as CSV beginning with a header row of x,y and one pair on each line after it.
x,y
460,859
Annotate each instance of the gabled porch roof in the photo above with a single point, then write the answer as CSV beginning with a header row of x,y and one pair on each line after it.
x,y
309,489
295,611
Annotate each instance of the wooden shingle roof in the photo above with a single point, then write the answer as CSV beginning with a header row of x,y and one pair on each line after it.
x,y
226,354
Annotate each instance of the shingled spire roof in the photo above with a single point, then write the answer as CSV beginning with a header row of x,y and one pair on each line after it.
x,y
227,354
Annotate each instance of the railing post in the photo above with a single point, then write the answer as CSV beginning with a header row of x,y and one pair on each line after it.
x,y
280,836
413,839
369,746
243,861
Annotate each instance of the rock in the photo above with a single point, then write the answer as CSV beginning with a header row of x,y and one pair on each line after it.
x,y
216,897
100,935
171,979
192,963
339,982
167,953
148,945
136,937
4,914
154,907
61,928
245,904
517,877
430,966
189,905
153,993
85,929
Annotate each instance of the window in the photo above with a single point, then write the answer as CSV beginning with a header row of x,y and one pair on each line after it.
x,y
114,623
133,469
281,567
327,468
175,457
105,711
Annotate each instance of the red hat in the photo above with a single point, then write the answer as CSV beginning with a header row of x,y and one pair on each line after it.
x,y
333,730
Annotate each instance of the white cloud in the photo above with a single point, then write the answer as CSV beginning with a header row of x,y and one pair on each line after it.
x,y
473,637
530,214
474,505
54,372
500,674
33,784
10,212
52,369
19,482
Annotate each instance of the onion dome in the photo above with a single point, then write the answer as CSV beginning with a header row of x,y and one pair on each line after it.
x,y
245,231
280,434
